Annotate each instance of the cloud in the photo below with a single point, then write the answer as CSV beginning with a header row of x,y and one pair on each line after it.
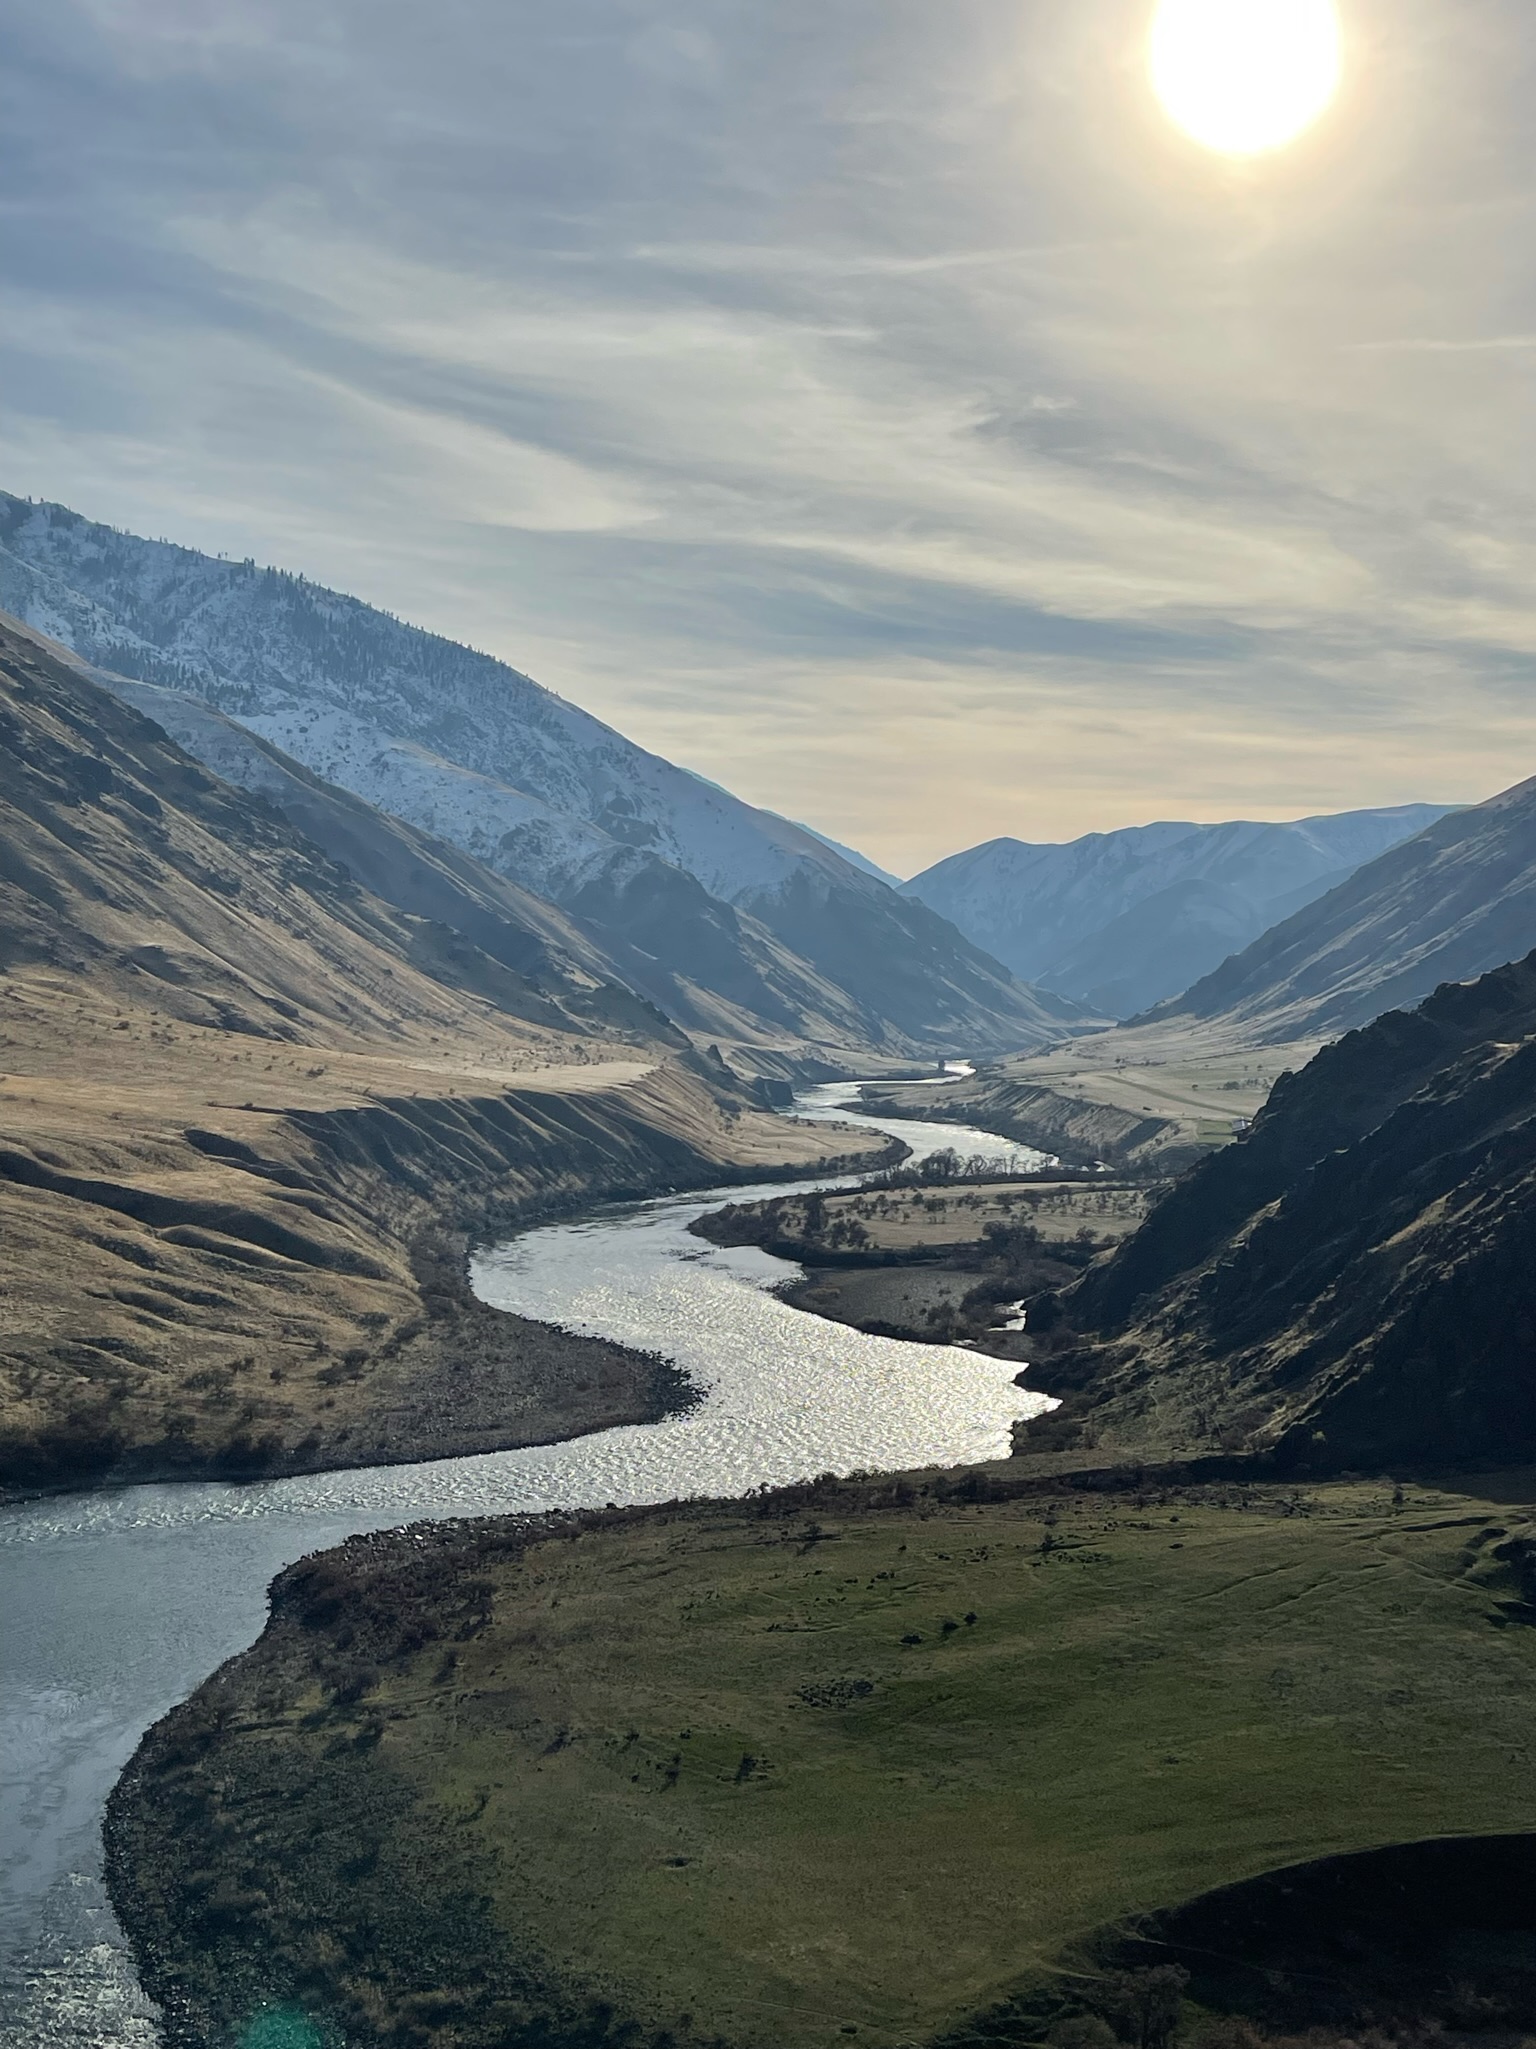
x,y
877,408
1423,345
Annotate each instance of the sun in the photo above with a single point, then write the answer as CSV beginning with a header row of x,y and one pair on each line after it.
x,y
1245,76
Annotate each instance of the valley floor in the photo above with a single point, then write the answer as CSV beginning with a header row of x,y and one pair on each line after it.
x,y
1155,1098
235,1255
940,1261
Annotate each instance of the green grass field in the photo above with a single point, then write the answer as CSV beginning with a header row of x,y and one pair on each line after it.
x,y
799,1784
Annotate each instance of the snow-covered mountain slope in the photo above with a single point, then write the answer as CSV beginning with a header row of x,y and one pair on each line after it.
x,y
128,871
488,818
405,867
1121,920
858,860
759,988
468,749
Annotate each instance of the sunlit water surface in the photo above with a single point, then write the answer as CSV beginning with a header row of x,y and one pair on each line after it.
x,y
116,1605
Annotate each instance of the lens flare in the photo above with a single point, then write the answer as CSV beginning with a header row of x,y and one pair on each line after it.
x,y
1245,76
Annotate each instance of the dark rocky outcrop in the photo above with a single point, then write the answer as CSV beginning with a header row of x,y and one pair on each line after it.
x,y
1352,1284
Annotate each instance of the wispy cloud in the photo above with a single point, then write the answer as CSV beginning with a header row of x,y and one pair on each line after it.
x,y
1423,345
875,407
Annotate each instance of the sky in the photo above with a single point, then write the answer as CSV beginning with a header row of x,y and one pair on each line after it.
x,y
879,408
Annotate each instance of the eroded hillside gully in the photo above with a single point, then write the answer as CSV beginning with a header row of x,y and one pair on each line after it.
x,y
119,1604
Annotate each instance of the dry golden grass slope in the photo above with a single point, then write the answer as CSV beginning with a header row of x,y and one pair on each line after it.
x,y
1155,1098
245,1106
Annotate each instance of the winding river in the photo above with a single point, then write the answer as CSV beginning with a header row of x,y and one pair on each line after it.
x,y
117,1604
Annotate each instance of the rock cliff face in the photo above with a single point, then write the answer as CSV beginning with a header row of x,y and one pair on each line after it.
x,y
1352,1284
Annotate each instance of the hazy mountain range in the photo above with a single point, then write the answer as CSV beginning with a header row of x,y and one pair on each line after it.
x,y
741,923
1450,904
1119,920
462,790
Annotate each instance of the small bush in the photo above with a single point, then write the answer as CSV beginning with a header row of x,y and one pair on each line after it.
x,y
1083,2031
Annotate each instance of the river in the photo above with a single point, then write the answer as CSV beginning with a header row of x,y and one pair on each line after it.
x,y
116,1604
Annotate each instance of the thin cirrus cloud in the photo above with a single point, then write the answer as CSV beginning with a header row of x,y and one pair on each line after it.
x,y
1432,346
879,408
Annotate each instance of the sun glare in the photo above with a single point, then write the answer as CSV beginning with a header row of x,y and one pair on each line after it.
x,y
1245,76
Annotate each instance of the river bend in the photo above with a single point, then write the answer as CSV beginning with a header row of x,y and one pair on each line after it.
x,y
117,1604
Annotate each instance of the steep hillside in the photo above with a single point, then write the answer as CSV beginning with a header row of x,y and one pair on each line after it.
x,y
1455,901
249,1109
126,864
422,876
473,752
1352,1284
728,976
1164,941
1119,920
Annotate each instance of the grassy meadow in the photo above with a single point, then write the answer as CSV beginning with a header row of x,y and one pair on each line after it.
x,y
796,1779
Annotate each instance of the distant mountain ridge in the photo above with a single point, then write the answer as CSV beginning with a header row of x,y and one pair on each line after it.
x,y
1118,921
1449,905
858,860
736,902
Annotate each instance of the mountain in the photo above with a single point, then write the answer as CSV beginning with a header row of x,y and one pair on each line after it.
x,y
1351,1285
251,1107
1448,905
125,863
858,860
750,983
726,898
1164,941
1120,920
421,876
